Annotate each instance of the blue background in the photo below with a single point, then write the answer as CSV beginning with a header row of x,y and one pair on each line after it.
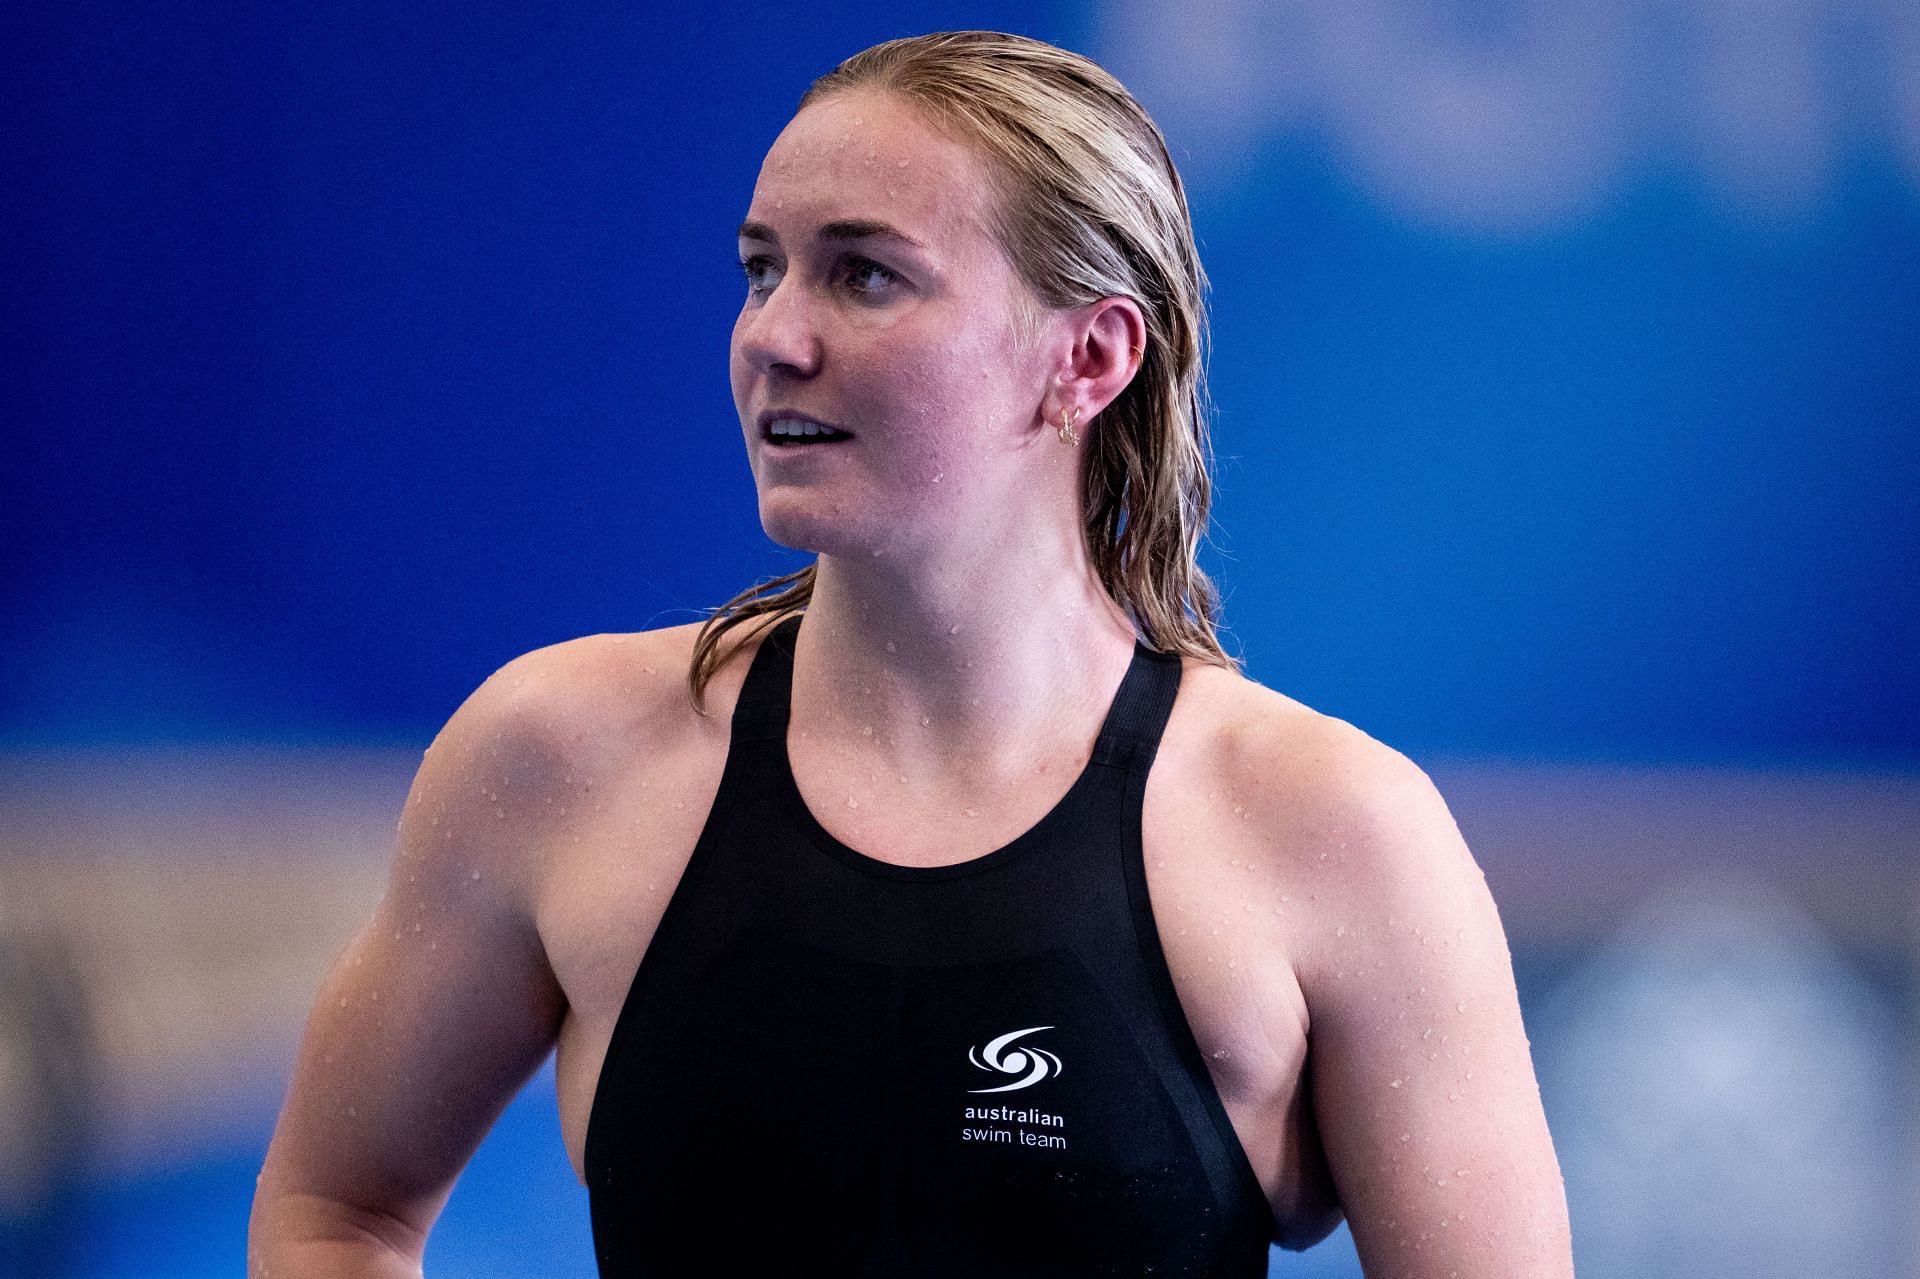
x,y
359,351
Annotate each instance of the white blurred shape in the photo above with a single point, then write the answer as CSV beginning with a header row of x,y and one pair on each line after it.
x,y
1516,117
1720,1085
1517,133
1767,126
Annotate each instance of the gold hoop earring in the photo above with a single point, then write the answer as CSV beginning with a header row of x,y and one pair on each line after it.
x,y
1067,418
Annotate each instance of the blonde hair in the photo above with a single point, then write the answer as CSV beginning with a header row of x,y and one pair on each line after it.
x,y
1088,205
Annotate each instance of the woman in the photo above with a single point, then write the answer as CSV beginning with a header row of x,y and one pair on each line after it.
x,y
993,922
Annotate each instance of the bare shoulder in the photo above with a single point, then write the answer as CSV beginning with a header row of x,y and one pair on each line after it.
x,y
587,707
1352,823
1308,764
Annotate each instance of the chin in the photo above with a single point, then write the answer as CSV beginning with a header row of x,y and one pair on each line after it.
x,y
821,528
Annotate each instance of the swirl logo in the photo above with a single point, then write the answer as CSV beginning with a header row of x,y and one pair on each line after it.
x,y
1038,1063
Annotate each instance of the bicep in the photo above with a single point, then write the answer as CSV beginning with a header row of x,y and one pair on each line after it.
x,y
439,1010
1423,1083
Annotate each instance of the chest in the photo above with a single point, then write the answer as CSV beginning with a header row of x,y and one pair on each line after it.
x,y
1223,916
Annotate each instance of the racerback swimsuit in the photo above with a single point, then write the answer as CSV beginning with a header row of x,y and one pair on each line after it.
x,y
831,1065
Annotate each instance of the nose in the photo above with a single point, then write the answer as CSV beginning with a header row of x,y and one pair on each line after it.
x,y
782,332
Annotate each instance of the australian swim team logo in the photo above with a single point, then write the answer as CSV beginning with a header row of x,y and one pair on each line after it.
x,y
1034,1063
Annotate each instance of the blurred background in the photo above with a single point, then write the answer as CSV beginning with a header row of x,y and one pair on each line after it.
x,y
1567,438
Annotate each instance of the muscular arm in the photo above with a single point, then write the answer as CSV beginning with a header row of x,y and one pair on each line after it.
x,y
1422,1080
439,1010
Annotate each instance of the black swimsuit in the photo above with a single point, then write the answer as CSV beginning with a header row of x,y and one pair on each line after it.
x,y
829,1065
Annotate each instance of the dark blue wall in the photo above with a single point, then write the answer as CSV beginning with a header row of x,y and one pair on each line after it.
x,y
356,350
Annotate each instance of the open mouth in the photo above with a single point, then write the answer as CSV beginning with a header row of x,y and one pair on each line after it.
x,y
792,433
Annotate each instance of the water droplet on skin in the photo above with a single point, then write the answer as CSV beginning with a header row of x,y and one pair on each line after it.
x,y
903,164
501,813
852,802
1406,1136
1235,860
1395,1084
416,925
973,812
1215,932
1233,963
475,875
867,731
1340,931
1460,1007
955,628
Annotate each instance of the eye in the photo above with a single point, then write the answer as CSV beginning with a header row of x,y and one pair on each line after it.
x,y
751,267
858,266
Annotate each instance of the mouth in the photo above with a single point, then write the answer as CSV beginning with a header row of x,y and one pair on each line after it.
x,y
787,430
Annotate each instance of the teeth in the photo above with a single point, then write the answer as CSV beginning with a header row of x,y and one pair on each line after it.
x,y
791,427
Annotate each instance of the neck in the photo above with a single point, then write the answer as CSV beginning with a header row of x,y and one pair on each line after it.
x,y
992,655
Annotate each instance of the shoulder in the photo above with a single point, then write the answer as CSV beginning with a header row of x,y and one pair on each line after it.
x,y
1349,821
1304,761
583,696
557,718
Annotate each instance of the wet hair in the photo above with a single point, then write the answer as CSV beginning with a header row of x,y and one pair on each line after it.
x,y
1087,204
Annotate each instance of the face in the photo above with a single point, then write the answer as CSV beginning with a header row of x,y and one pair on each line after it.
x,y
905,339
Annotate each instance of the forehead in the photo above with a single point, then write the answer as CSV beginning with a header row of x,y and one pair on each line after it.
x,y
871,156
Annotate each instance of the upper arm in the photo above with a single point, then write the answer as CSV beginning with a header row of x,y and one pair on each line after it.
x,y
443,1004
1423,1085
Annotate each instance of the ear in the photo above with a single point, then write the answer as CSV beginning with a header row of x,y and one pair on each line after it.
x,y
1107,342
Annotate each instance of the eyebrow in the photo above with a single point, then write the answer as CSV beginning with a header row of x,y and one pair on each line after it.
x,y
845,229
